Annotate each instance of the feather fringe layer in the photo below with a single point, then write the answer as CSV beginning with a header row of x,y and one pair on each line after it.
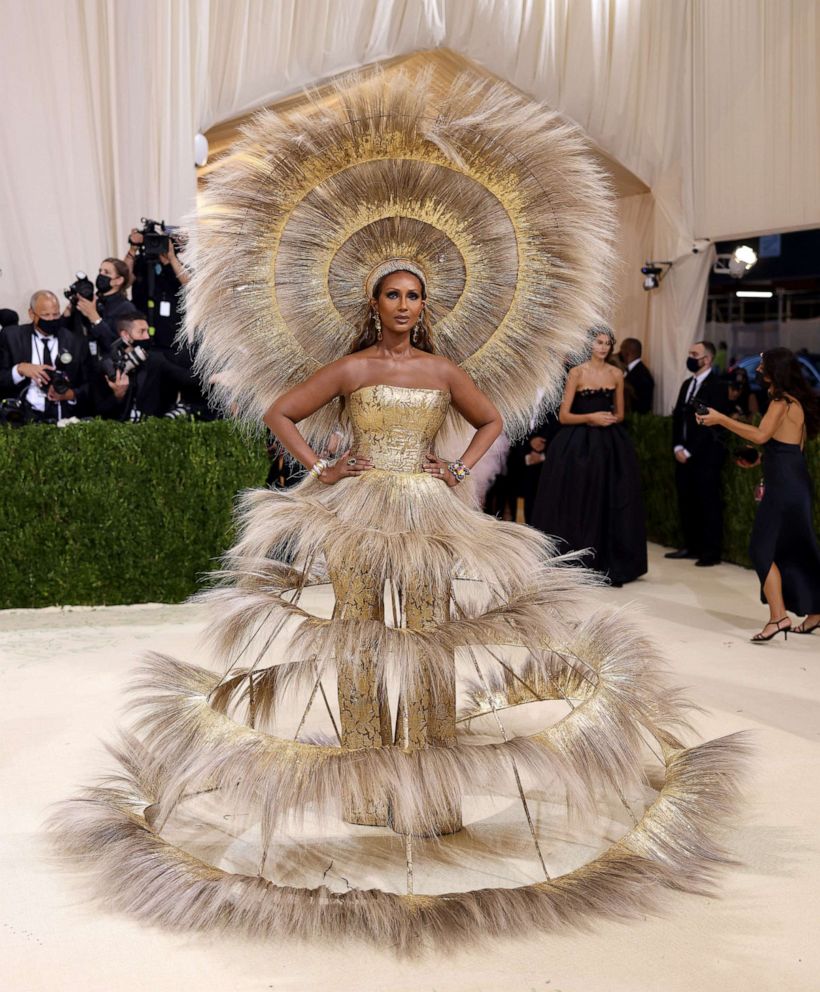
x,y
399,525
604,669
599,743
674,845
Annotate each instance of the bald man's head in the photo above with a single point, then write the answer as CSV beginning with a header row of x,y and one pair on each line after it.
x,y
43,299
44,311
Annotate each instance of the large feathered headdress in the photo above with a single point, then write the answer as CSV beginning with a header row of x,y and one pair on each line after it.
x,y
495,198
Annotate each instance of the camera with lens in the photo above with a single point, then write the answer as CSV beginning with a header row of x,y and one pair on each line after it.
x,y
82,286
58,381
124,359
13,413
155,237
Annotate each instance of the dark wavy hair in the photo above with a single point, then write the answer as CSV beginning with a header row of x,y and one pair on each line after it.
x,y
787,382
367,328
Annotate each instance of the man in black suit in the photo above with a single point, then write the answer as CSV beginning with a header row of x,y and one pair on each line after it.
x,y
699,457
640,386
36,358
150,387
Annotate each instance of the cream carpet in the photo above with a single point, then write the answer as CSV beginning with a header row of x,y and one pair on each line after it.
x,y
63,674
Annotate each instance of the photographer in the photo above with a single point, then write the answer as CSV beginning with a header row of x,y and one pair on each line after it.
x,y
135,381
44,364
8,318
112,283
158,277
742,401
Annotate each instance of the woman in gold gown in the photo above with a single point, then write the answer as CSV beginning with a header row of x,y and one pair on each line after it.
x,y
397,392
441,614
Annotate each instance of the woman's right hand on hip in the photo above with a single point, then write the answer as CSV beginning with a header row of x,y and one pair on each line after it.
x,y
347,464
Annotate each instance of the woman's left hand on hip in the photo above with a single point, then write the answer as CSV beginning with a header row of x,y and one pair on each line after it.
x,y
437,467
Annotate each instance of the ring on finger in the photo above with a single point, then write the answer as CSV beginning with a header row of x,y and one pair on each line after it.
x,y
351,461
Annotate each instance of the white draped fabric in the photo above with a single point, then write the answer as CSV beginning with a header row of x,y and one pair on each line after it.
x,y
756,94
714,106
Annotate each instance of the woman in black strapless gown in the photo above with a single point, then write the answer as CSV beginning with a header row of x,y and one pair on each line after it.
x,y
589,493
783,548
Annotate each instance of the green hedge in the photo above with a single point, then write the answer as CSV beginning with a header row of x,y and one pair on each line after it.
x,y
103,512
653,439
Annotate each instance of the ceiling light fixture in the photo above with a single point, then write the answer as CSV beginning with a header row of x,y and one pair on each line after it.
x,y
653,273
737,264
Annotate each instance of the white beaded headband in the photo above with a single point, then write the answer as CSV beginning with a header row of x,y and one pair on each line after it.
x,y
389,266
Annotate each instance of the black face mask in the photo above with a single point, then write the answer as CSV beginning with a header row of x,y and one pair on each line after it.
x,y
103,283
141,343
49,327
693,364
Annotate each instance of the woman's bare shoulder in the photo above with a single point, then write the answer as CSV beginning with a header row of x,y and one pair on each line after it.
x,y
440,366
359,361
437,361
344,370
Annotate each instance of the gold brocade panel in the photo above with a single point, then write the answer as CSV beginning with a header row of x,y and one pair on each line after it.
x,y
423,719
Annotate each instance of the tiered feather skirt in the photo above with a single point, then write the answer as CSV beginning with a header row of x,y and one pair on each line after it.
x,y
440,616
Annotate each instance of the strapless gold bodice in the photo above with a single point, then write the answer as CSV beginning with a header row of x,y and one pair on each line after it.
x,y
395,425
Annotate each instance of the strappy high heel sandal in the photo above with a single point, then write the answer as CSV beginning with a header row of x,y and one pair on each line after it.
x,y
759,638
803,629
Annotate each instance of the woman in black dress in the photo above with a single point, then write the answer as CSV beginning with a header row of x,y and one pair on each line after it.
x,y
783,548
589,493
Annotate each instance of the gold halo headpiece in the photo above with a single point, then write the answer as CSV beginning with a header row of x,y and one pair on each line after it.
x,y
388,267
492,199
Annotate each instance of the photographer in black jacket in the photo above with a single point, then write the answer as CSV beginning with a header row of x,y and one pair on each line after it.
x,y
134,380
157,281
101,315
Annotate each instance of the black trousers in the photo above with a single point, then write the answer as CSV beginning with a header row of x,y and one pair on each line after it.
x,y
700,505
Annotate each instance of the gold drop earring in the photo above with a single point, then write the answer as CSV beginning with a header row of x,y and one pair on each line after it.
x,y
417,329
378,322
